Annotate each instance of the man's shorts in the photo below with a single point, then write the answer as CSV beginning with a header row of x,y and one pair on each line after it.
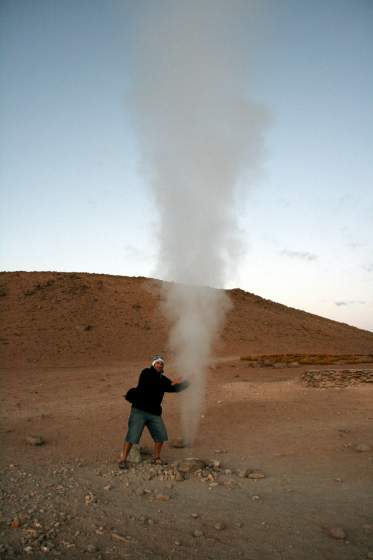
x,y
137,421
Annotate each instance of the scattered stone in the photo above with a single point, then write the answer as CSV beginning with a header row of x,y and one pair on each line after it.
x,y
255,498
108,487
362,448
139,492
35,440
195,515
28,549
239,524
219,526
242,473
89,498
190,465
337,378
91,548
197,533
337,533
177,543
215,464
255,474
162,497
119,537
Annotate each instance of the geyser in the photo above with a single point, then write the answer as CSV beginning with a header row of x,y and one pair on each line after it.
x,y
198,133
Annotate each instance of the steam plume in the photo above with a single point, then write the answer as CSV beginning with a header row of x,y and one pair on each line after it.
x,y
197,133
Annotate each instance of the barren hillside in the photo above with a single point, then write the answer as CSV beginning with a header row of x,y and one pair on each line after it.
x,y
76,319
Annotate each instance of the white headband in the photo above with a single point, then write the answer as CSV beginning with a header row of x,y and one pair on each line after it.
x,y
158,359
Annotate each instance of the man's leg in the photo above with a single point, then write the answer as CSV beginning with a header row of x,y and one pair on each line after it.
x,y
158,432
136,424
125,451
157,449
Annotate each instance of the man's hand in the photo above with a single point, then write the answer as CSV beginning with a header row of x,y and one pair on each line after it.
x,y
176,381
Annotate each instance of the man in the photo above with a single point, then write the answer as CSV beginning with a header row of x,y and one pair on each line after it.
x,y
146,409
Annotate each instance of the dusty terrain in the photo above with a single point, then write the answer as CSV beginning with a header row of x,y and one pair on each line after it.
x,y
71,348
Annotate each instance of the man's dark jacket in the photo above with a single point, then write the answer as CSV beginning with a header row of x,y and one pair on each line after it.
x,y
150,390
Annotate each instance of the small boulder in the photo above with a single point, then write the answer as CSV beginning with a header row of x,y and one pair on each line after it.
x,y
337,533
35,440
190,465
197,533
255,475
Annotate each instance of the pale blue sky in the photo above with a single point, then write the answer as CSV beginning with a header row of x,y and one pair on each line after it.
x,y
72,195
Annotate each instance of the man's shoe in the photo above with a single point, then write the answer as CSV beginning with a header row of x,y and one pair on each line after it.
x,y
123,465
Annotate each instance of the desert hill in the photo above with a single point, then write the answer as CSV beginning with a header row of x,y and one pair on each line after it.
x,y
77,319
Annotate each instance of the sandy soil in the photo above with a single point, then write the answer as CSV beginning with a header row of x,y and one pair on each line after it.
x,y
67,497
71,345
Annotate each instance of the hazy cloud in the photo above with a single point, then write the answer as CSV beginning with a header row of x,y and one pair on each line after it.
x,y
350,302
368,267
303,255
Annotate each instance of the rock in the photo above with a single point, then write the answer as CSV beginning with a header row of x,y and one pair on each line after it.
x,y
190,465
119,537
91,548
89,498
362,448
215,464
255,498
255,475
337,533
135,455
197,533
35,440
108,487
178,443
219,526
242,473
195,515
177,543
162,497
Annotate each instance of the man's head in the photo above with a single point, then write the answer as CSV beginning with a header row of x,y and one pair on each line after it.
x,y
158,363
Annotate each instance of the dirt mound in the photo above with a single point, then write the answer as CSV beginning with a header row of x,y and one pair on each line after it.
x,y
79,319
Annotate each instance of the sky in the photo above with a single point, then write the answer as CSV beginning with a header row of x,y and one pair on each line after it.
x,y
73,197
